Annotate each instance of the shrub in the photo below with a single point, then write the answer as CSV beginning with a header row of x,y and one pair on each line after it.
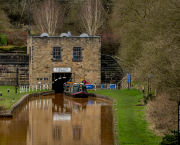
x,y
16,37
109,44
3,40
162,113
146,98
170,139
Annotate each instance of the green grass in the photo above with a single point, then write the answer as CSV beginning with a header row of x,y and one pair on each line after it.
x,y
132,125
9,96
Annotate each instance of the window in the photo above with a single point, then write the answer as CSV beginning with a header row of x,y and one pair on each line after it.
x,y
56,53
76,132
57,132
77,54
46,78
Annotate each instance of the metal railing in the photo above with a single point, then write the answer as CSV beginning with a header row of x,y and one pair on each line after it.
x,y
121,82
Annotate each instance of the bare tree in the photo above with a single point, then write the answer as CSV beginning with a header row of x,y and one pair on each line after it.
x,y
49,17
92,16
4,20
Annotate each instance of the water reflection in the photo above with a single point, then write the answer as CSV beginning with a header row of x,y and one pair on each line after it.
x,y
59,119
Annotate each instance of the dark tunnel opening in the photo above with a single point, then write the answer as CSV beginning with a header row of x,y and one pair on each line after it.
x,y
59,79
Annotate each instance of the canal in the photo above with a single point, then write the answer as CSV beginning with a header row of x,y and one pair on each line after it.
x,y
59,119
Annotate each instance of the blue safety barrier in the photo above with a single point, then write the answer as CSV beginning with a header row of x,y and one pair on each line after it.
x,y
112,86
89,86
101,86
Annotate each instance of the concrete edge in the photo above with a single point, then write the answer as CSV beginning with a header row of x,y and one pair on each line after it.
x,y
115,129
21,101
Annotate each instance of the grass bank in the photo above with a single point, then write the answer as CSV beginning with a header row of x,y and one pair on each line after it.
x,y
9,48
9,96
132,125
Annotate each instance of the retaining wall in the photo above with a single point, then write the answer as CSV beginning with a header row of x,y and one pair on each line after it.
x,y
20,102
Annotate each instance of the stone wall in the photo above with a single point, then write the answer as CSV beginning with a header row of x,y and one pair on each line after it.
x,y
41,63
8,74
8,69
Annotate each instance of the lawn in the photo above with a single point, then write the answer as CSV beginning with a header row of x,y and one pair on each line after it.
x,y
132,125
9,96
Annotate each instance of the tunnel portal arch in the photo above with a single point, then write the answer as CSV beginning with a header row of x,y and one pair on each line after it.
x,y
58,80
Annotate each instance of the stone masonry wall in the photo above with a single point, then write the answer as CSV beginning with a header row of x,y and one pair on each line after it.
x,y
8,75
41,63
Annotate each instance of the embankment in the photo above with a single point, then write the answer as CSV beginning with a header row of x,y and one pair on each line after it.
x,y
21,101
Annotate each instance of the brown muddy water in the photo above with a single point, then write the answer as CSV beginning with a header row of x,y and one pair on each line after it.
x,y
59,120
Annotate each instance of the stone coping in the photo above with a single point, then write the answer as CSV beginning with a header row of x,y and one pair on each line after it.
x,y
67,37
21,101
115,129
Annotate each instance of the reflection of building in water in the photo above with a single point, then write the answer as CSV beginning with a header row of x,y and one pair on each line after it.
x,y
87,125
66,122
40,122
84,127
78,125
59,121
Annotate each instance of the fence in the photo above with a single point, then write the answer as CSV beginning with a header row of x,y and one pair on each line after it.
x,y
101,87
139,86
124,85
69,87
28,88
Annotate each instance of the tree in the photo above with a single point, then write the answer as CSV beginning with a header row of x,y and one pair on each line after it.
x,y
72,19
148,31
49,17
92,16
4,20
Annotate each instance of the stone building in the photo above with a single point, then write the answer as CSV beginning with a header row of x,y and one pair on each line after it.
x,y
59,58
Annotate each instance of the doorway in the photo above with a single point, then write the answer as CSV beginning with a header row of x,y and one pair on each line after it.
x,y
59,79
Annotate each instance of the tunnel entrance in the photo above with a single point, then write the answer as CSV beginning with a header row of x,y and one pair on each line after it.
x,y
59,79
